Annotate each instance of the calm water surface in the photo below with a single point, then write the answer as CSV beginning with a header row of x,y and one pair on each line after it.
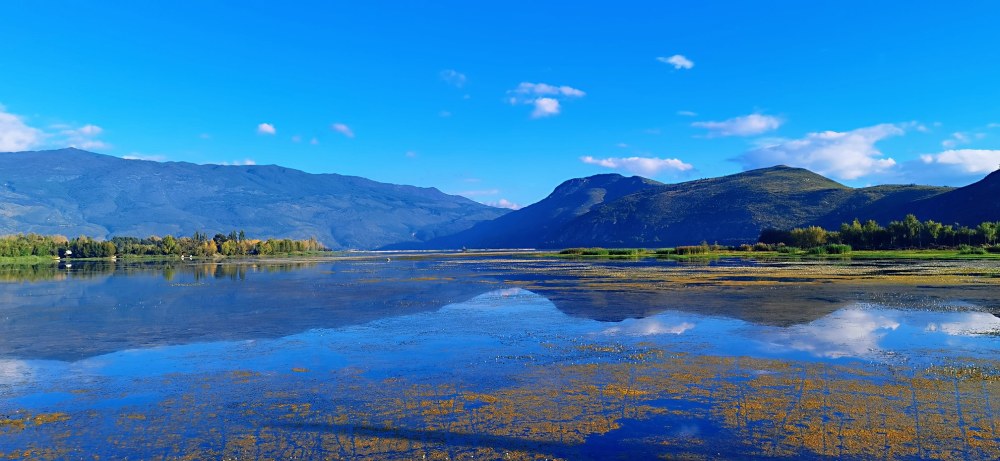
x,y
492,358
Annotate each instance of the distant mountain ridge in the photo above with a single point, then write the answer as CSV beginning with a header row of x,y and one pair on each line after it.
x,y
729,210
74,192
538,224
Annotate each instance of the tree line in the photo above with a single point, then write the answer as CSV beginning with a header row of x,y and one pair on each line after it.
x,y
199,244
905,234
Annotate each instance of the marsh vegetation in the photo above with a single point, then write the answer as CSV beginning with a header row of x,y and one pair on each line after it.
x,y
502,357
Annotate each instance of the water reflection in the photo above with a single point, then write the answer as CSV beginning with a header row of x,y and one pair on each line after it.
x,y
649,326
371,360
110,307
844,333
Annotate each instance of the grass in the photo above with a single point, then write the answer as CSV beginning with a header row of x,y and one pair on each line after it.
x,y
693,253
828,252
28,260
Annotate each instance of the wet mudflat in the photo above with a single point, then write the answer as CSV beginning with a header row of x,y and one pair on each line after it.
x,y
501,358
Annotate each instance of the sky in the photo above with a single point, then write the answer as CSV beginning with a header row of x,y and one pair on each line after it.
x,y
502,101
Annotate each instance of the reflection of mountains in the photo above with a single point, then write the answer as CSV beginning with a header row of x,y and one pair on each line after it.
x,y
777,306
175,303
109,307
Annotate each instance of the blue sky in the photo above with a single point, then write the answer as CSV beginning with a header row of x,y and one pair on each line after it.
x,y
502,101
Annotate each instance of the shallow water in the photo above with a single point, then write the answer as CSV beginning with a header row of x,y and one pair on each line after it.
x,y
495,358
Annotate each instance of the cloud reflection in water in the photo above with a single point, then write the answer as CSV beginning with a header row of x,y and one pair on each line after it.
x,y
648,326
844,333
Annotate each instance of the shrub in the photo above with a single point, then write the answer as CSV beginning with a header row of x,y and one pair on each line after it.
x,y
743,247
666,251
572,251
624,252
787,249
762,247
971,250
993,249
595,252
838,249
692,250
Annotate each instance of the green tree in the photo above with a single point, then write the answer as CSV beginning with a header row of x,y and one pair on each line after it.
x,y
933,230
170,245
988,231
810,237
913,230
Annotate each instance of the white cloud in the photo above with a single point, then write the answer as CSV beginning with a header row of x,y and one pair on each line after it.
x,y
967,161
545,107
342,129
747,125
844,155
544,97
639,165
687,113
244,162
266,128
15,135
678,61
296,139
453,77
84,137
531,90
410,154
90,130
314,141
205,136
504,203
956,139
444,114
478,193
622,145
138,156
993,125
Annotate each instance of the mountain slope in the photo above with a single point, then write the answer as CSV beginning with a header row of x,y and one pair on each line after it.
x,y
881,203
969,205
73,192
532,226
729,210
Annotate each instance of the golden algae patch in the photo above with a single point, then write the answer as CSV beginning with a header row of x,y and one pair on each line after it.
x,y
8,424
761,407
597,276
28,420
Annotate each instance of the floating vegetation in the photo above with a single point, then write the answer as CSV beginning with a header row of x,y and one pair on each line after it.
x,y
584,373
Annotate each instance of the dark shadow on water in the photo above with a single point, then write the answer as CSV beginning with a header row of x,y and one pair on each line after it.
x,y
97,308
94,308
624,443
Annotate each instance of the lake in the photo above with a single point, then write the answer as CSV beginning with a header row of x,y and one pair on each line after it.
x,y
500,357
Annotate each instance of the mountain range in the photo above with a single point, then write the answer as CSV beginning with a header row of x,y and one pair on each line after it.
x,y
615,211
73,192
